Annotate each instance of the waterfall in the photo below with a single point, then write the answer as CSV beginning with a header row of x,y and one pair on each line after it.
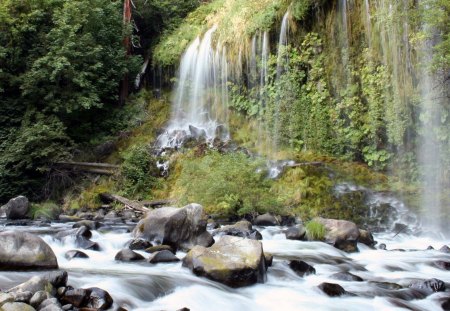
x,y
199,106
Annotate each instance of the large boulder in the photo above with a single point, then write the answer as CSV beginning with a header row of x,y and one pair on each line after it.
x,y
266,220
93,298
16,208
16,306
25,251
47,283
342,234
232,261
242,229
177,227
127,254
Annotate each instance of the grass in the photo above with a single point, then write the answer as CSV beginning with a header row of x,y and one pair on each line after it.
x,y
46,210
315,231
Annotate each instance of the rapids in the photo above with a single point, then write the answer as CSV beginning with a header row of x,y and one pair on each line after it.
x,y
143,286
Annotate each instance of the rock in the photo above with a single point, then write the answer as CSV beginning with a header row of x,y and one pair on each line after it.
x,y
386,285
301,268
38,298
42,283
158,248
90,224
382,246
430,248
5,297
22,296
232,261
17,208
163,256
242,229
49,302
290,221
211,224
82,239
16,306
445,249
68,218
127,254
366,238
445,303
139,244
441,264
52,307
98,299
346,276
25,251
429,286
76,297
178,227
60,291
196,133
342,234
266,220
332,290
269,259
297,232
75,254
67,307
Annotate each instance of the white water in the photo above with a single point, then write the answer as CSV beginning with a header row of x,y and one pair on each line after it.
x,y
143,286
202,74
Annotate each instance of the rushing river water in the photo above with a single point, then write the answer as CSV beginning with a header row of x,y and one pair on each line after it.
x,y
144,286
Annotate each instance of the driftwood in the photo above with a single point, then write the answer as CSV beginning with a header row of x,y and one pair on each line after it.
x,y
306,164
108,197
89,167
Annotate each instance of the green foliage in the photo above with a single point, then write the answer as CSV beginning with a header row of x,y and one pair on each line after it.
x,y
139,172
315,231
227,185
47,210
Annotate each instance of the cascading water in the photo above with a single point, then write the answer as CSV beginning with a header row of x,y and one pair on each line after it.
x,y
196,110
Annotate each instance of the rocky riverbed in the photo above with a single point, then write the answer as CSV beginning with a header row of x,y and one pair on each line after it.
x,y
168,261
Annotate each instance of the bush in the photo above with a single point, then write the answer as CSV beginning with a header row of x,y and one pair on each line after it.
x,y
227,185
48,210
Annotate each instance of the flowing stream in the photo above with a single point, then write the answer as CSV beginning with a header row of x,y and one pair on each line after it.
x,y
144,286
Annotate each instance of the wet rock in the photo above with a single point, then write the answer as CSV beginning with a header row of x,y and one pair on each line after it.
x,y
242,229
266,220
332,290
346,276
60,291
67,307
342,234
404,304
76,297
211,224
158,248
49,303
42,283
382,246
269,259
297,232
163,256
127,254
16,208
289,221
178,227
232,261
69,255
445,249
25,251
5,297
445,303
441,264
430,248
98,299
24,296
196,133
82,240
16,306
301,268
387,285
68,218
429,286
139,244
53,307
90,224
366,238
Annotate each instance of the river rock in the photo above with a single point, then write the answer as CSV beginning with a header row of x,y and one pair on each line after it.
x,y
90,224
22,296
297,232
127,254
158,248
38,298
163,256
76,297
445,303
75,254
178,227
139,244
242,229
16,208
5,297
445,249
266,220
366,238
196,133
25,251
429,286
16,306
232,261
332,289
441,264
346,276
301,268
342,234
98,299
50,304
268,257
82,239
47,282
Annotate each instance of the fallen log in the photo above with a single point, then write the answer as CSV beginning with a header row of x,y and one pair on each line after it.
x,y
155,203
108,198
89,167
306,164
